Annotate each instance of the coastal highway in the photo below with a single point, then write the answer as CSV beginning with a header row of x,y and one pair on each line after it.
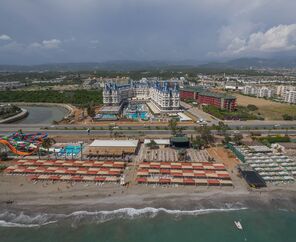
x,y
138,129
131,132
251,124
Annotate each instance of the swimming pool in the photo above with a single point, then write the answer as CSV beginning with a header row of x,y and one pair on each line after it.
x,y
106,117
138,115
71,150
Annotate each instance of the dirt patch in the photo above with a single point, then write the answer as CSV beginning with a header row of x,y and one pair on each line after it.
x,y
220,154
268,109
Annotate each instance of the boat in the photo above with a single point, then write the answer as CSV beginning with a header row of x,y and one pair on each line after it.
x,y
238,225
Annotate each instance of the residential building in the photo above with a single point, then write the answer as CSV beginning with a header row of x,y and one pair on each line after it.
x,y
249,90
258,91
265,92
203,96
290,97
283,89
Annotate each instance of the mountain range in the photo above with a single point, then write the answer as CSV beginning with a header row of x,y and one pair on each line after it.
x,y
235,64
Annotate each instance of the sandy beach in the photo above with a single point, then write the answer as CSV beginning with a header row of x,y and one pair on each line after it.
x,y
65,198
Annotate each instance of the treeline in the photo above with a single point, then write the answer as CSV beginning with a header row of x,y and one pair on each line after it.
x,y
274,139
75,97
9,110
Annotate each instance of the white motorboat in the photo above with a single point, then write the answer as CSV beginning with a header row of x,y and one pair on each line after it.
x,y
238,225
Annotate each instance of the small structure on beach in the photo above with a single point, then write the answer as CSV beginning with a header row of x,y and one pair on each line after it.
x,y
252,177
159,142
180,142
112,147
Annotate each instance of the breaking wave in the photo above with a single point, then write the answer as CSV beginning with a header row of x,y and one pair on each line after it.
x,y
9,219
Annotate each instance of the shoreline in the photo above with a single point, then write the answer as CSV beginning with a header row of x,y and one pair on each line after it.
x,y
52,204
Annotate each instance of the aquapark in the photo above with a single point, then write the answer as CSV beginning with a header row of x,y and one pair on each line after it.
x,y
23,144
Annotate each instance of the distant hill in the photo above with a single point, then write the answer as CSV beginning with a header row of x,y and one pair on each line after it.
x,y
106,66
128,65
252,63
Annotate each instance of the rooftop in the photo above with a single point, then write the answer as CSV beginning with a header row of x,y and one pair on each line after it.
x,y
178,139
158,141
114,143
205,92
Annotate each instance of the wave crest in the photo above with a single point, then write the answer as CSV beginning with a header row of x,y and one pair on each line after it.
x,y
8,219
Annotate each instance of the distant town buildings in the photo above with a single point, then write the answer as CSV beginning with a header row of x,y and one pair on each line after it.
x,y
284,93
52,81
92,83
258,91
4,86
290,97
282,90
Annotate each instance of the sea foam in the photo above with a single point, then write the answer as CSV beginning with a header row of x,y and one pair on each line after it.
x,y
9,219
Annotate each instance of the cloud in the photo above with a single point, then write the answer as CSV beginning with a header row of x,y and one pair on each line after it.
x,y
51,44
94,41
279,38
143,30
5,37
46,44
12,47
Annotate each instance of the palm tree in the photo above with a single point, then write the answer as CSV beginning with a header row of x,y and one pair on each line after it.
x,y
173,126
47,143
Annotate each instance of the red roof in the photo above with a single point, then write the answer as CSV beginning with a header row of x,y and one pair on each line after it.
x,y
54,178
188,181
176,167
76,178
141,179
165,171
211,181
178,174
100,178
197,167
164,180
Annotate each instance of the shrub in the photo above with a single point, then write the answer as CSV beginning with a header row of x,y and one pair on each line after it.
x,y
252,107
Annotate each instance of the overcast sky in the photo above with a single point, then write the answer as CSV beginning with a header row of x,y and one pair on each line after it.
x,y
46,31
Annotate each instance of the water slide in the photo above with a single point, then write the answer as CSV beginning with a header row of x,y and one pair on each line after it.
x,y
14,150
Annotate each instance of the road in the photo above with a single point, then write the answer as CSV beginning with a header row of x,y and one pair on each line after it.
x,y
130,132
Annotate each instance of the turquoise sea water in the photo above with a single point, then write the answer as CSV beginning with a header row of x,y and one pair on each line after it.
x,y
153,225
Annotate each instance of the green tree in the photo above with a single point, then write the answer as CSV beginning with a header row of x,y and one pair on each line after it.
x,y
222,128
252,107
206,135
3,156
47,143
287,117
198,142
173,126
91,110
237,138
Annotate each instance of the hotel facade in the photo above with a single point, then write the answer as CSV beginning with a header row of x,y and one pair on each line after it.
x,y
202,96
161,94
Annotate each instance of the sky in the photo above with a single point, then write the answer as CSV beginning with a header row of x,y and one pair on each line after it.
x,y
56,31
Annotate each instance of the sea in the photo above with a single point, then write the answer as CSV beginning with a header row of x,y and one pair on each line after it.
x,y
151,225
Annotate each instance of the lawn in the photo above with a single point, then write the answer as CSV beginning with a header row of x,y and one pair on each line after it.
x,y
268,109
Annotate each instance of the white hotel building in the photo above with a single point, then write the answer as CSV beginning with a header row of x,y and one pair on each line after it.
x,y
161,95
